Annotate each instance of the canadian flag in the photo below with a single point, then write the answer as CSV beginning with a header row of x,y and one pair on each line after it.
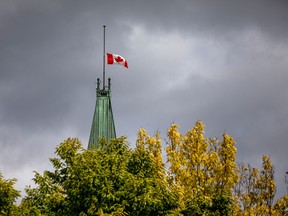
x,y
116,59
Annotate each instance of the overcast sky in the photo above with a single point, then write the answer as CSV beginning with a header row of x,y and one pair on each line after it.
x,y
223,62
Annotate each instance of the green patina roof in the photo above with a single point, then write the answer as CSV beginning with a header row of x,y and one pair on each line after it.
x,y
103,122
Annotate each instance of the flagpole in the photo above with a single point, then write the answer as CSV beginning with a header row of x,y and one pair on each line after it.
x,y
104,57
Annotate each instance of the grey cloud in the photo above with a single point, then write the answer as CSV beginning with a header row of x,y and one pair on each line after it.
x,y
51,55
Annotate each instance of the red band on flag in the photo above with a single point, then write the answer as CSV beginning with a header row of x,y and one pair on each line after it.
x,y
110,59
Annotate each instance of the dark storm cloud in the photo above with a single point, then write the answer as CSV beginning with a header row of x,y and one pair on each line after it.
x,y
38,52
223,62
221,16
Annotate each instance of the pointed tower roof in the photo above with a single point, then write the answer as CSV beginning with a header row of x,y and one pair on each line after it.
x,y
103,123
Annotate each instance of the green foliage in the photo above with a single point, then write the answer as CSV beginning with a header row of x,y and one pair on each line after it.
x,y
219,206
8,195
200,178
112,180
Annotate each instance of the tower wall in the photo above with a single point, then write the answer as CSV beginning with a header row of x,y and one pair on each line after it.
x,y
103,122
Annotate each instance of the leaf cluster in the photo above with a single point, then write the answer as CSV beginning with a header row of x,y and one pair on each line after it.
x,y
8,195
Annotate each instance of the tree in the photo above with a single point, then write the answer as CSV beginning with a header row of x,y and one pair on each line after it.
x,y
246,191
8,195
256,190
111,180
201,170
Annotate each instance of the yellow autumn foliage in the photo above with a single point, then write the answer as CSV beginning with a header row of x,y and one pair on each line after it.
x,y
201,168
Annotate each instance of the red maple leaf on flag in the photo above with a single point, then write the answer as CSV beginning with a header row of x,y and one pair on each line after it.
x,y
118,59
